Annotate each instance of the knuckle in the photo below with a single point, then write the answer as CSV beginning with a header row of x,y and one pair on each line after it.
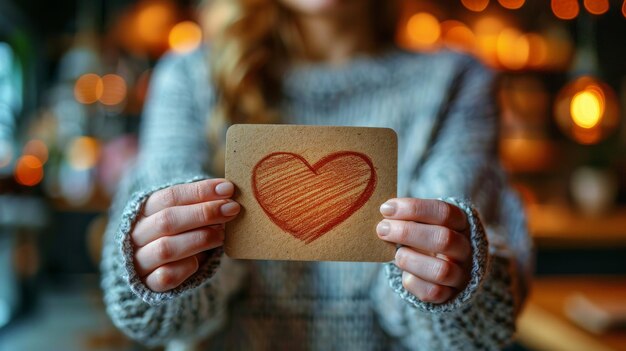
x,y
401,258
444,211
433,293
444,239
163,249
203,238
167,197
442,271
201,190
211,211
416,207
164,278
406,280
164,221
405,232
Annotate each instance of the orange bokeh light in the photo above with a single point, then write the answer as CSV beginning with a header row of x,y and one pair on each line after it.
x,y
83,152
38,149
88,88
423,31
28,170
114,90
512,49
596,7
565,9
475,5
587,107
587,110
185,36
512,4
456,35
487,30
153,22
538,50
624,9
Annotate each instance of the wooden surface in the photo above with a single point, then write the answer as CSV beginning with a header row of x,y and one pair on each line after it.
x,y
561,227
544,326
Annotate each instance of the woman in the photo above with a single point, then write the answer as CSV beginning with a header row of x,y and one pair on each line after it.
x,y
457,281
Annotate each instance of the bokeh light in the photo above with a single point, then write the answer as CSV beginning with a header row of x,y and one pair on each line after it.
x,y
512,4
596,7
153,22
538,50
423,31
565,9
88,88
185,36
487,29
475,5
83,153
114,90
457,36
28,170
512,49
587,110
37,148
624,9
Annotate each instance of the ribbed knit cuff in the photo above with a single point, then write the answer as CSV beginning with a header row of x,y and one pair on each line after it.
x,y
480,261
123,240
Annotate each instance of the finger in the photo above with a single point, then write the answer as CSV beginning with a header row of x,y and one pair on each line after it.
x,y
188,194
179,219
425,237
176,247
427,291
431,269
425,211
171,275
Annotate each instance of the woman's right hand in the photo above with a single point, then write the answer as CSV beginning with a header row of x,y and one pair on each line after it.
x,y
177,225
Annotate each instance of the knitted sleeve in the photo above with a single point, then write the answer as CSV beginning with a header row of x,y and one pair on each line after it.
x,y
461,167
173,150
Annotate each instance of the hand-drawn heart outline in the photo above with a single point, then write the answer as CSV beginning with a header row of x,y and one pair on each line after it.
x,y
308,213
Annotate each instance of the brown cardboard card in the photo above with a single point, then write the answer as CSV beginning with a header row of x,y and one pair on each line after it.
x,y
310,193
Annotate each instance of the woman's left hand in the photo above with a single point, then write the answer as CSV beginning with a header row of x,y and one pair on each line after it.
x,y
436,252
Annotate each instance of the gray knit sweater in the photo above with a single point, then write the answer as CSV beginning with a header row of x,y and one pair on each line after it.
x,y
441,106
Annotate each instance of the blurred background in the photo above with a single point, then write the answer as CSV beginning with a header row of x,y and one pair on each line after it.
x,y
73,79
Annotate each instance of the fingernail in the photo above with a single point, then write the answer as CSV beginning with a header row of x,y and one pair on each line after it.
x,y
388,208
224,189
383,228
229,209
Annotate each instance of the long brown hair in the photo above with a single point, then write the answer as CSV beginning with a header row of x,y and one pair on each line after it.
x,y
249,51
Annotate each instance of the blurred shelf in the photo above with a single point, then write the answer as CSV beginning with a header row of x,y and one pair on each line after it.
x,y
544,326
560,227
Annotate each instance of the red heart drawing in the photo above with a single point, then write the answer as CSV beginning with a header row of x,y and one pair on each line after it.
x,y
308,201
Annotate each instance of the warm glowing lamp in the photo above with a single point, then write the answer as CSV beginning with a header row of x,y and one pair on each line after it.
x,y
587,110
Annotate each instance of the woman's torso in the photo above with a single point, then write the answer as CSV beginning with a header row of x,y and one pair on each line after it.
x,y
322,305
